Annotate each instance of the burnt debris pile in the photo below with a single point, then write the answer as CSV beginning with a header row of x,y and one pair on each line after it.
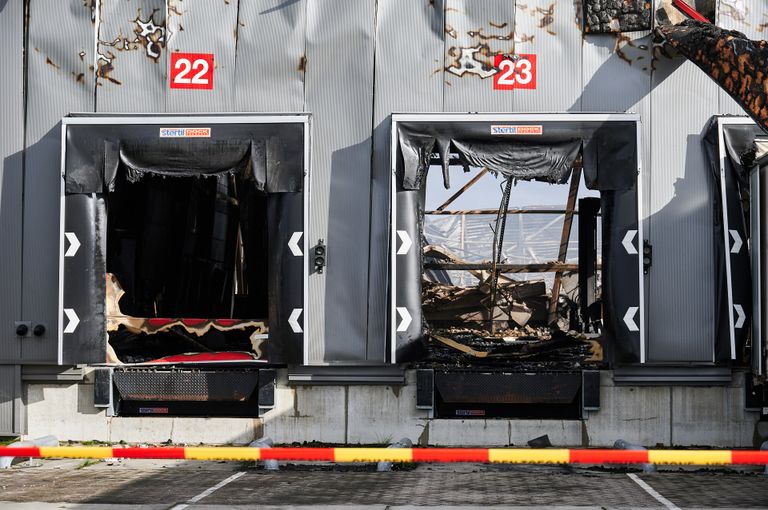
x,y
506,322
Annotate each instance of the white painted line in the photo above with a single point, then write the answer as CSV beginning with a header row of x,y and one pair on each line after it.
x,y
209,491
655,495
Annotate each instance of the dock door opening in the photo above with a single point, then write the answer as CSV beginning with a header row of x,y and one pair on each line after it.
x,y
181,248
183,240
511,271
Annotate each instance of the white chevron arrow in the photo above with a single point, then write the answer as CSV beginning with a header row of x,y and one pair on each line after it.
x,y
629,318
74,244
407,243
741,316
405,318
629,237
293,244
293,320
736,248
74,320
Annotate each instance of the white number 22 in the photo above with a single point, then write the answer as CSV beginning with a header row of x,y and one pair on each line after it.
x,y
186,66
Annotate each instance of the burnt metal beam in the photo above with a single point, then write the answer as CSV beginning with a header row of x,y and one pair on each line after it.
x,y
589,208
564,238
470,212
540,267
463,189
498,242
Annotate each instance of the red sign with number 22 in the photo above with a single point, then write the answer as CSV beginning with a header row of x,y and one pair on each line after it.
x,y
192,71
515,74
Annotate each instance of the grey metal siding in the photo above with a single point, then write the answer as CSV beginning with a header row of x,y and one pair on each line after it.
x,y
351,64
11,145
681,285
61,44
551,31
10,400
269,76
339,93
483,28
202,26
132,58
409,78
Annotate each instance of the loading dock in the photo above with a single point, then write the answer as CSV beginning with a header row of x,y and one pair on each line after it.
x,y
183,266
407,56
520,147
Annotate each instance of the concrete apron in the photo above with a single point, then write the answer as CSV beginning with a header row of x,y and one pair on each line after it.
x,y
644,415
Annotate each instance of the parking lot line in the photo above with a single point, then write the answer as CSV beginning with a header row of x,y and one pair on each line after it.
x,y
209,491
652,492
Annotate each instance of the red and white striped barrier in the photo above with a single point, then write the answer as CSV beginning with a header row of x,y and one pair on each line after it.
x,y
493,455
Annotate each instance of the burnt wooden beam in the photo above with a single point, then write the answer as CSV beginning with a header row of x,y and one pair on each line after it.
x,y
470,212
540,267
565,236
463,189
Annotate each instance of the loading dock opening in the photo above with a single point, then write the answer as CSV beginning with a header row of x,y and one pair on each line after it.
x,y
183,255
525,272
186,247
543,147
737,153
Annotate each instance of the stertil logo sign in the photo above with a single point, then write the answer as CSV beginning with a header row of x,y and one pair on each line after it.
x,y
185,132
516,130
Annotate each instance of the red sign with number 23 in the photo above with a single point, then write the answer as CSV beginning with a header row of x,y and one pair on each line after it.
x,y
515,74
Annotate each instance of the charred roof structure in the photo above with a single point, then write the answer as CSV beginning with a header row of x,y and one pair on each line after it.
x,y
730,58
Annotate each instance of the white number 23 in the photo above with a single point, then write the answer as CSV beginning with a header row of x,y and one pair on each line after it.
x,y
515,71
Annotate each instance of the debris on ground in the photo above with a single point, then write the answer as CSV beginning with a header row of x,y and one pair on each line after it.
x,y
516,302
135,340
519,346
466,326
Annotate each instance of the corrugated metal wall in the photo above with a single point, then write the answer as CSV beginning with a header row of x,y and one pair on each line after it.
x,y
59,80
351,64
11,176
